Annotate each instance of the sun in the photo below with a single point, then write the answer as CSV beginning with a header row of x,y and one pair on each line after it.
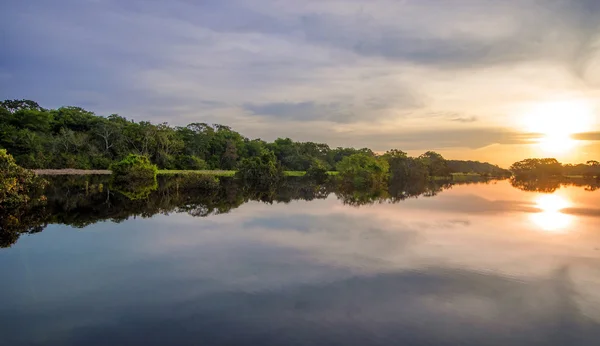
x,y
557,144
556,121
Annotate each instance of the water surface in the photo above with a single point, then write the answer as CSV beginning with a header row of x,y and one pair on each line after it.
x,y
477,264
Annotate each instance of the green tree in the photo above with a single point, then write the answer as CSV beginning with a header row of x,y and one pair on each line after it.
x,y
407,169
260,171
190,162
134,168
18,185
15,105
134,176
317,172
362,170
109,133
482,168
168,144
436,164
537,168
593,169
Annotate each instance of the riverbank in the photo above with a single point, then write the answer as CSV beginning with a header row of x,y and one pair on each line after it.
x,y
216,173
69,171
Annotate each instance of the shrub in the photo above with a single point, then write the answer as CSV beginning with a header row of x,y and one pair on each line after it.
x,y
317,172
17,184
363,170
134,168
134,176
260,171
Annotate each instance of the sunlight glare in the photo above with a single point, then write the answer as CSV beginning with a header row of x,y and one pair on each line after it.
x,y
551,218
557,144
556,121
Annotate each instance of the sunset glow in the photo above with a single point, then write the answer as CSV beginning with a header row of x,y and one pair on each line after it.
x,y
489,81
551,218
556,122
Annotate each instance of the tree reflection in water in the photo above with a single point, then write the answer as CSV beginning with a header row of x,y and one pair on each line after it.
x,y
79,201
550,185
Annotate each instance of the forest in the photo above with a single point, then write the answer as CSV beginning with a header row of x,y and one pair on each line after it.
x,y
550,167
72,137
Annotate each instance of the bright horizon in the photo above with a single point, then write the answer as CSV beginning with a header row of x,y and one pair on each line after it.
x,y
479,80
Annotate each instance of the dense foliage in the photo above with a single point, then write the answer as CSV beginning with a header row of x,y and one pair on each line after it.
x,y
405,168
72,137
317,172
260,171
536,168
18,185
134,168
545,168
483,168
363,170
134,176
436,164
589,169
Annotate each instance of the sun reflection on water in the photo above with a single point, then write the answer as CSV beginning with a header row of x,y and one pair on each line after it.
x,y
551,218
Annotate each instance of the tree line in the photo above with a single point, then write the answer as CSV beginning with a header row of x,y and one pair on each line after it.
x,y
550,167
72,137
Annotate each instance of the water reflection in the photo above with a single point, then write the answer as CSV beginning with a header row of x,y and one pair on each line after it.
x,y
433,264
550,185
82,201
551,218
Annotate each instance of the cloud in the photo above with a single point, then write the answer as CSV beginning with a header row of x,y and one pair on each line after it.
x,y
587,136
591,212
473,138
470,119
345,108
300,111
360,73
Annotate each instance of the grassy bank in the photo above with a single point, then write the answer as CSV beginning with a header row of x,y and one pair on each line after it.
x,y
217,173
220,173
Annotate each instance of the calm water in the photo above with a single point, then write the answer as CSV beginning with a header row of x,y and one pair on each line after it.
x,y
480,264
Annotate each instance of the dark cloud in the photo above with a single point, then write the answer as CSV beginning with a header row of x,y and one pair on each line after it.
x,y
348,109
472,138
591,212
301,111
471,119
587,136
535,34
416,140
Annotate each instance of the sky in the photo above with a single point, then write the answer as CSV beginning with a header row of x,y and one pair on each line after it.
x,y
486,80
